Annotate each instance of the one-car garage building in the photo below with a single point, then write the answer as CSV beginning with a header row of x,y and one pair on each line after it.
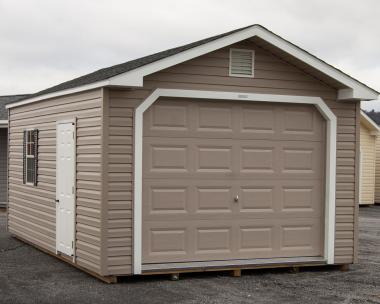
x,y
236,151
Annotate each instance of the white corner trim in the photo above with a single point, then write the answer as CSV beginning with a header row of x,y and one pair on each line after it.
x,y
91,86
330,157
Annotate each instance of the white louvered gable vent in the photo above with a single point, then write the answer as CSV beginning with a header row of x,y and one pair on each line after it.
x,y
241,62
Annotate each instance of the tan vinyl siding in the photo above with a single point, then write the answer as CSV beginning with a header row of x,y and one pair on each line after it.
x,y
119,202
210,72
32,209
367,166
377,171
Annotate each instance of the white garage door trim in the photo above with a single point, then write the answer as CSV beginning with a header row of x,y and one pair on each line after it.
x,y
330,157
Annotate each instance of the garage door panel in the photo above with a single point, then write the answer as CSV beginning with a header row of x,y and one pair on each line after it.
x,y
165,200
165,243
205,199
300,159
168,158
167,117
227,239
232,180
256,239
302,122
302,235
226,158
259,120
234,120
212,199
213,158
214,118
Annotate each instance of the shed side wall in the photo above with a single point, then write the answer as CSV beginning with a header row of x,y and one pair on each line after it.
x,y
3,165
377,170
32,209
367,169
210,72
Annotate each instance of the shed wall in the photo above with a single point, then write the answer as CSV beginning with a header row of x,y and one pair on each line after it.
x,y
3,165
210,72
32,209
377,170
367,166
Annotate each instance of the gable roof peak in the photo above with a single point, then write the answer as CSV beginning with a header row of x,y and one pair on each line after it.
x,y
131,73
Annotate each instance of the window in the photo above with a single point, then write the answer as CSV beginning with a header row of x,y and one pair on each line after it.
x,y
241,62
30,157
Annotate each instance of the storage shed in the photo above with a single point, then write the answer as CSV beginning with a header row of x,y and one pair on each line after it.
x,y
236,151
377,171
4,100
369,132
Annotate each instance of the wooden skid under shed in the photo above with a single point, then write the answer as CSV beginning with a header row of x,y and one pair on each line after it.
x,y
234,270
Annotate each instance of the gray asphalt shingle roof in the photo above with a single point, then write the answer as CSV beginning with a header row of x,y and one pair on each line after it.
x,y
4,100
114,70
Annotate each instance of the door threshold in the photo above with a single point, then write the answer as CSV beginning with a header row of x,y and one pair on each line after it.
x,y
243,263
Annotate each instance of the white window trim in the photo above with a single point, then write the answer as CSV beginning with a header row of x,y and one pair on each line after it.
x,y
330,184
26,169
252,75
26,159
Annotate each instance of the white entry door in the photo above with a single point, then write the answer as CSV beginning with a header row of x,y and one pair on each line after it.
x,y
65,188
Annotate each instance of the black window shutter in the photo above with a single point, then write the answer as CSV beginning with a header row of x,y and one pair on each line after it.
x,y
24,158
35,137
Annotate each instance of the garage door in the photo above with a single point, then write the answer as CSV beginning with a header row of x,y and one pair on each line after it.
x,y
232,180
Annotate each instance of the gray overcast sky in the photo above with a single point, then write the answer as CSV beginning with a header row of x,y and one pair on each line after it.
x,y
45,42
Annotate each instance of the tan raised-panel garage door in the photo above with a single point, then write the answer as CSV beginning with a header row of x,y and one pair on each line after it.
x,y
232,180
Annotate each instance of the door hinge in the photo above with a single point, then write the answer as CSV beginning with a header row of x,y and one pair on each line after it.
x,y
73,136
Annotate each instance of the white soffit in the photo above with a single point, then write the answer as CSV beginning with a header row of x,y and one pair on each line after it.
x,y
135,78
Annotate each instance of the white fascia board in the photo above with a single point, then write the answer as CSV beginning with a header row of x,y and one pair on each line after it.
x,y
91,86
355,89
375,128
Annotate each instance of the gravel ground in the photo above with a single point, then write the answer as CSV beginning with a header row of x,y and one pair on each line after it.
x,y
30,276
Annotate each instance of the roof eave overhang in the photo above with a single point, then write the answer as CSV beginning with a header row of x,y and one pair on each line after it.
x,y
354,90
3,123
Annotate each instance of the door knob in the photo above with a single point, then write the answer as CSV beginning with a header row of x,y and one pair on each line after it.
x,y
236,199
